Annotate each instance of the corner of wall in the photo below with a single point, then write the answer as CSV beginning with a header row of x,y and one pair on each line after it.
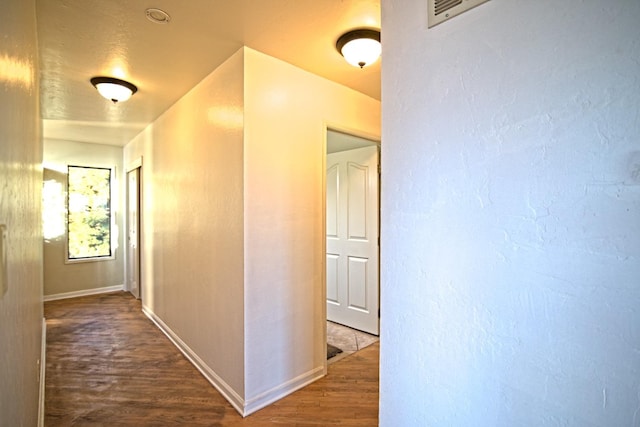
x,y
210,375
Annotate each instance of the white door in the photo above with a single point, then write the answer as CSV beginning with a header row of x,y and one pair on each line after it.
x,y
352,239
133,226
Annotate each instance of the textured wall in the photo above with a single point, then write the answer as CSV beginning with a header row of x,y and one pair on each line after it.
x,y
58,276
192,237
287,111
510,215
20,184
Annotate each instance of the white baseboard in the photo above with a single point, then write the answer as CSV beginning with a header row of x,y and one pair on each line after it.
x,y
225,389
83,293
43,370
277,393
243,407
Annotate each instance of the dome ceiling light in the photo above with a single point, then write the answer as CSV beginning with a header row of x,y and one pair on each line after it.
x,y
361,47
113,89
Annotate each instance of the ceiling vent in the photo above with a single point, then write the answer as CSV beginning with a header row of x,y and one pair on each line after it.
x,y
442,10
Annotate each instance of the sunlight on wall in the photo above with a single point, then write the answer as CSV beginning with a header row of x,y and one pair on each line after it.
x,y
15,71
53,209
226,117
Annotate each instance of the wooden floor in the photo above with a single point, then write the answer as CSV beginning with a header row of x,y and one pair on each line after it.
x,y
108,365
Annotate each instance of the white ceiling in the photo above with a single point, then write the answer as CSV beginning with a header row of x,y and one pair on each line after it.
x,y
80,39
340,141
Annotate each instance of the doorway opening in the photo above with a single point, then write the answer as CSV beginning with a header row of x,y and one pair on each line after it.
x,y
352,181
133,269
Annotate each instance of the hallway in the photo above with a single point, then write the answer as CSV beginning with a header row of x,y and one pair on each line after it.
x,y
107,364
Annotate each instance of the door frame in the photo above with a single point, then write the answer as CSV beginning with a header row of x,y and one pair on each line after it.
x,y
327,126
135,164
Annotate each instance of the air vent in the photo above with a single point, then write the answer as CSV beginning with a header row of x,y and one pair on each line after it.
x,y
442,10
444,5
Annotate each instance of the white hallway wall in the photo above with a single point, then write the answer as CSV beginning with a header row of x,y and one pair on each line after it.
x,y
233,244
510,215
20,210
287,111
192,219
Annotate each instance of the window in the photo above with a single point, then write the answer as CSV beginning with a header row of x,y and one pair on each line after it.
x,y
89,219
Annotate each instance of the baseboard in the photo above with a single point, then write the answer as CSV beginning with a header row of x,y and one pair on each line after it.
x,y
43,370
227,391
277,393
243,407
84,293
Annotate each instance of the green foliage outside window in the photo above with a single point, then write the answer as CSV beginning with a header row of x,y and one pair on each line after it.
x,y
89,212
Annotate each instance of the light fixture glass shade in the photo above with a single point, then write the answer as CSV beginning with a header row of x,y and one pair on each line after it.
x,y
361,52
114,92
113,89
360,48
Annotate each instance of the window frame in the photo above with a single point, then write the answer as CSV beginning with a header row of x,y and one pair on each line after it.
x,y
112,217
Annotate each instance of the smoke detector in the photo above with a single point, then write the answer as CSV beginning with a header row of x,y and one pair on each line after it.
x,y
157,16
443,10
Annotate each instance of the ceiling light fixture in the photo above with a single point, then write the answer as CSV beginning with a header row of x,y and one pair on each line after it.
x,y
361,47
113,89
157,16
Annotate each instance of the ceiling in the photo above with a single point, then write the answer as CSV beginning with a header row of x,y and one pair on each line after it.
x,y
339,141
80,39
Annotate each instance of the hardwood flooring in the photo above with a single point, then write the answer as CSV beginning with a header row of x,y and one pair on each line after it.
x,y
108,365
